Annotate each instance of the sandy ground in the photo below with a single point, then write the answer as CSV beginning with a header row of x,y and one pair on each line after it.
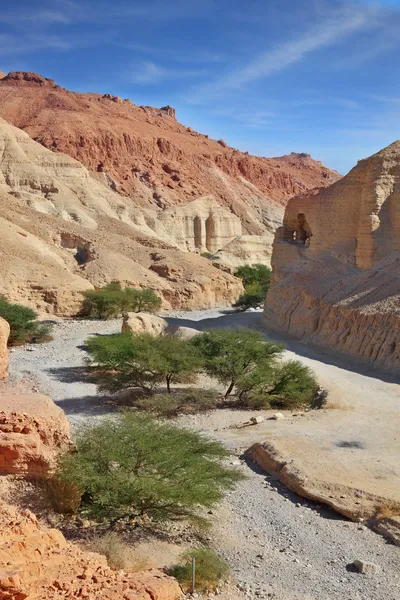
x,y
278,545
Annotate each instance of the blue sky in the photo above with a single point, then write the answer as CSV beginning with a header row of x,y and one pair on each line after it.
x,y
268,76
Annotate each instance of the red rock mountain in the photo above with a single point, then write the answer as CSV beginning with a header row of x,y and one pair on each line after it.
x,y
146,153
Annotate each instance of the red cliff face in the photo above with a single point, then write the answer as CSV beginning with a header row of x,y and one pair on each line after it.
x,y
146,153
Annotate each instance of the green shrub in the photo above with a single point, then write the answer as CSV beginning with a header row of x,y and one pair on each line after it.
x,y
207,255
256,280
230,354
23,324
142,360
113,301
288,384
185,402
134,466
210,570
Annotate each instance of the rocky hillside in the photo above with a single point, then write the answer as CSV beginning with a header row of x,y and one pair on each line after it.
x,y
145,153
336,264
63,231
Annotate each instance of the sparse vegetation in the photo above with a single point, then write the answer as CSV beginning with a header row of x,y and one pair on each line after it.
x,y
113,301
210,570
135,466
63,496
207,255
230,354
142,360
24,326
114,549
256,281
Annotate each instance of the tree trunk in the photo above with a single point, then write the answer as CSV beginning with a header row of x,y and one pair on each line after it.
x,y
168,384
230,388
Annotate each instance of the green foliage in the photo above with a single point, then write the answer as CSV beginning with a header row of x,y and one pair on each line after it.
x,y
210,570
185,402
256,281
207,254
135,466
113,301
288,384
142,360
23,324
230,354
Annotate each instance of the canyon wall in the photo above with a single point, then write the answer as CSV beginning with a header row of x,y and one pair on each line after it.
x,y
4,333
336,264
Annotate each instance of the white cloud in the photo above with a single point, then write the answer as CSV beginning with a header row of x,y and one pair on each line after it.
x,y
330,31
147,72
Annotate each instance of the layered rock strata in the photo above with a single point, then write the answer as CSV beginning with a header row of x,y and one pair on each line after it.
x,y
336,264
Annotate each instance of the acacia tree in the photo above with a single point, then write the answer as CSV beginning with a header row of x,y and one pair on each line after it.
x,y
113,301
256,280
142,360
138,466
229,354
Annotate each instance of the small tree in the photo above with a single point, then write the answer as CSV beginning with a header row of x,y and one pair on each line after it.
x,y
129,360
24,326
136,466
113,301
256,281
288,384
229,354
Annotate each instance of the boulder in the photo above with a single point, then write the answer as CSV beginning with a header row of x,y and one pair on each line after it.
x,y
4,333
365,567
33,430
143,323
39,564
186,333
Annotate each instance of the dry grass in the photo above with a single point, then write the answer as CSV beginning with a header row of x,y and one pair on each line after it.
x,y
390,509
64,497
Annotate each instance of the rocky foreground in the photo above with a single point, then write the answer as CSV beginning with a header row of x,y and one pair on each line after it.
x,y
279,545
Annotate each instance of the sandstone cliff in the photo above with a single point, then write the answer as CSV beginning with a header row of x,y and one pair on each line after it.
x,y
64,231
4,333
37,563
145,153
336,264
33,431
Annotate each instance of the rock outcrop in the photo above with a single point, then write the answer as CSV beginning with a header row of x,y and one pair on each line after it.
x,y
202,225
336,264
37,563
145,153
33,431
4,333
63,231
143,323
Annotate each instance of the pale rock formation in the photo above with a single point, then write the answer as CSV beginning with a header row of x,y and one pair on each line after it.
x,y
336,264
37,563
202,225
186,333
4,333
247,250
143,323
33,430
64,231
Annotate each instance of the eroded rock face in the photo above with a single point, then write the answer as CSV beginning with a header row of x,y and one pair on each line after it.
x,y
37,563
4,333
33,431
336,264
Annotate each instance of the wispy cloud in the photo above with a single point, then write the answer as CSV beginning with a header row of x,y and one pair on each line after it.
x,y
182,55
328,32
12,44
148,73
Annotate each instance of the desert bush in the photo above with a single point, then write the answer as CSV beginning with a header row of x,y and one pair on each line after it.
x,y
207,255
210,570
63,496
142,360
113,301
23,324
135,466
230,354
116,551
186,402
288,384
256,280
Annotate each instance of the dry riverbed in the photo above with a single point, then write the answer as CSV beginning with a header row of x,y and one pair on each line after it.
x,y
278,545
